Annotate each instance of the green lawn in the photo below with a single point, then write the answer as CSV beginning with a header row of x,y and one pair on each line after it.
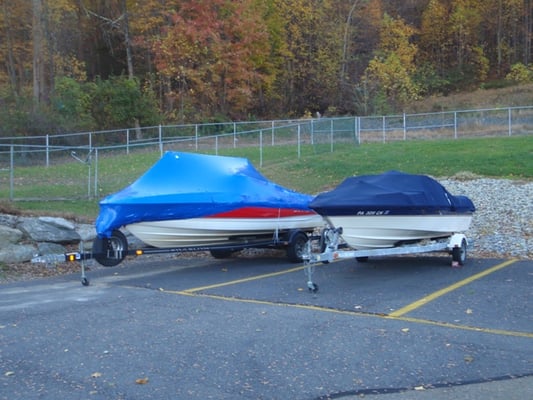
x,y
316,169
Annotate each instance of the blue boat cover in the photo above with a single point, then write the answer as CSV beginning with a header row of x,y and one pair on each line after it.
x,y
390,193
187,185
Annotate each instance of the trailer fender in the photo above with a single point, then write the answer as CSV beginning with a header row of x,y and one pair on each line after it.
x,y
456,240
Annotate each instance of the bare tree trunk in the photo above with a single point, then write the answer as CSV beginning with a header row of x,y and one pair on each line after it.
x,y
127,42
129,58
38,52
10,62
499,35
345,43
343,89
528,30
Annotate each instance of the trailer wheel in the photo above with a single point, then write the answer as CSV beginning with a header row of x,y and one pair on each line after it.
x,y
110,251
459,253
312,287
296,247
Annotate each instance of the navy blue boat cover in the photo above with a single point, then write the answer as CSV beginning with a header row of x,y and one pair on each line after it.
x,y
390,193
186,185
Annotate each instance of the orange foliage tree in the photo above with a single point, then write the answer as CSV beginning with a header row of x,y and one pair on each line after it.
x,y
212,52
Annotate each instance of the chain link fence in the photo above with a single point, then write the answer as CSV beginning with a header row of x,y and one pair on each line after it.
x,y
90,165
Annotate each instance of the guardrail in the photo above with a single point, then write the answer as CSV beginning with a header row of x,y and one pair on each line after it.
x,y
81,151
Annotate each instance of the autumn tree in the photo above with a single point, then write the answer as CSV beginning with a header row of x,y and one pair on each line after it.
x,y
308,76
360,38
15,50
391,70
408,10
465,21
222,59
500,26
213,53
52,32
452,43
435,41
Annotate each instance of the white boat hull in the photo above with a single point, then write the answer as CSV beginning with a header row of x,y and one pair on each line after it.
x,y
375,232
205,232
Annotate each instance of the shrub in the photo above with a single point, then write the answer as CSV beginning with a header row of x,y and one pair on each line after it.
x,y
520,73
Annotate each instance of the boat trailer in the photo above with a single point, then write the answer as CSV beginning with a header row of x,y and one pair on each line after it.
x,y
110,252
300,247
330,245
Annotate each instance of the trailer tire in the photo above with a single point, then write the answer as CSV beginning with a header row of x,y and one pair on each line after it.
x,y
296,246
110,251
459,253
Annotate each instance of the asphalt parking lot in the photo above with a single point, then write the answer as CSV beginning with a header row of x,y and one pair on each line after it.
x,y
248,328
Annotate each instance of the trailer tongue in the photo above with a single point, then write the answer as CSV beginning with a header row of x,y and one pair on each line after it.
x,y
112,251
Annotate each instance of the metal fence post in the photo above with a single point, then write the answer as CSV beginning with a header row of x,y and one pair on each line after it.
x,y
404,127
196,136
47,151
299,126
128,141
455,124
510,122
88,162
160,140
358,130
11,172
331,135
96,172
384,123
261,148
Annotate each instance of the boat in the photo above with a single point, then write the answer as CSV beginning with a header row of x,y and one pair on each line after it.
x,y
393,209
196,201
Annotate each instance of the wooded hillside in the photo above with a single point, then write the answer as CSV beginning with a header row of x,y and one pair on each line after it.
x,y
73,65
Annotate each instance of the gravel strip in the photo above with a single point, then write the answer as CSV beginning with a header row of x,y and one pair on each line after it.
x,y
502,225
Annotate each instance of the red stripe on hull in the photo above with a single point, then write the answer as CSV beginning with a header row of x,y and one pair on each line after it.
x,y
262,212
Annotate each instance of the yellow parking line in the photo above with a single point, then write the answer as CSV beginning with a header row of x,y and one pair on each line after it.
x,y
244,280
397,315
355,313
419,303
464,327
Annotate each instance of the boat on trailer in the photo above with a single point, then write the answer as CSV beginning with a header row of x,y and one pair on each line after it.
x,y
392,209
188,202
390,214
